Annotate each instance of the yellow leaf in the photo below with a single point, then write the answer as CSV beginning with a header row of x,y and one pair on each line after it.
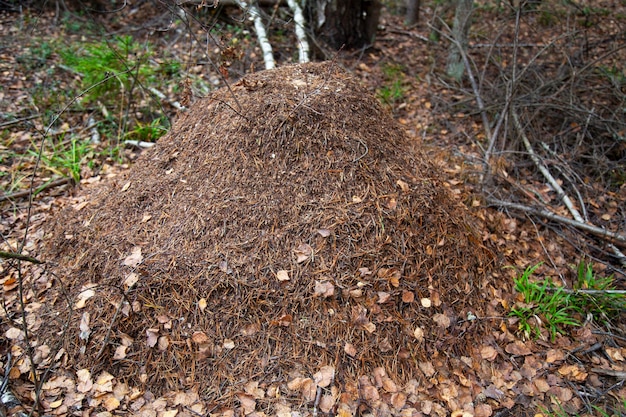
x,y
202,304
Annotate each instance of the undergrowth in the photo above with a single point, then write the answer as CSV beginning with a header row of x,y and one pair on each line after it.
x,y
545,305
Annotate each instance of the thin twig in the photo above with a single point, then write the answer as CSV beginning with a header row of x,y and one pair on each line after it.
x,y
26,193
18,256
617,238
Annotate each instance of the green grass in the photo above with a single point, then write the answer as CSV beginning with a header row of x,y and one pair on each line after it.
x,y
555,308
64,158
393,90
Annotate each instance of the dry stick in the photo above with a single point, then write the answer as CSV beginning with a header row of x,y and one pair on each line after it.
x,y
298,18
559,190
26,193
266,47
13,255
617,238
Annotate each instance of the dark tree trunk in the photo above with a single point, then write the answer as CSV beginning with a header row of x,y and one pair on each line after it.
x,y
412,12
344,23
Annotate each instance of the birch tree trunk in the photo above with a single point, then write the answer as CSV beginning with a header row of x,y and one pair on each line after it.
x,y
460,32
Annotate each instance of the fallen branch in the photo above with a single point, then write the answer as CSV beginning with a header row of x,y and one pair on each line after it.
x,y
266,47
26,193
616,238
19,256
555,185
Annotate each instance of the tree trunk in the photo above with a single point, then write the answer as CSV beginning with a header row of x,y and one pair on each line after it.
x,y
344,23
460,33
412,12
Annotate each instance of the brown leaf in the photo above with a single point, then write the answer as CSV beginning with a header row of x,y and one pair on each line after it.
x,y
153,337
324,289
488,353
418,334
518,348
398,400
134,258
163,343
303,252
200,338
284,320
282,275
120,352
110,403
130,281
350,349
427,368
383,297
252,388
248,403
84,382
324,376
442,320
370,394
327,403
408,297
403,186
573,372
554,355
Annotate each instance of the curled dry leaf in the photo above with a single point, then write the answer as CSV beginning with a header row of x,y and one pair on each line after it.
x,y
252,388
134,258
324,289
152,337
200,338
403,186
398,400
130,280
427,368
120,352
303,252
573,372
488,353
426,303
282,275
85,331
202,304
350,349
229,344
163,343
383,297
82,298
418,333
324,376
408,297
442,320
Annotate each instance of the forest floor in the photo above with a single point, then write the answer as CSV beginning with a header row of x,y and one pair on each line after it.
x,y
88,118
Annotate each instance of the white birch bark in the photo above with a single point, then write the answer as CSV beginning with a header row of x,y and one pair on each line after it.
x,y
259,28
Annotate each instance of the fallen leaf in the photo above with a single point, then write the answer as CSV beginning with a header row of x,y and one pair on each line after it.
x,y
126,186
418,333
163,343
350,349
327,403
250,329
488,353
283,320
517,348
110,403
324,376
229,344
134,258
14,334
408,297
323,232
200,338
168,413
554,355
614,354
426,303
324,289
282,275
442,320
248,403
153,337
403,186
383,297
252,388
82,298
202,304
427,368
85,331
573,372
120,352
303,252
85,383
131,280
398,400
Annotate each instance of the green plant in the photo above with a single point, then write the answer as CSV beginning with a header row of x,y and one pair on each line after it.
x,y
64,158
149,132
394,89
113,69
554,307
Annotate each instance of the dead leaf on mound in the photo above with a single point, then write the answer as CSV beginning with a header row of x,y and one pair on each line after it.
x,y
488,353
303,252
323,289
283,320
282,275
84,295
130,280
573,372
418,334
324,377
350,349
442,320
327,403
14,334
134,258
152,337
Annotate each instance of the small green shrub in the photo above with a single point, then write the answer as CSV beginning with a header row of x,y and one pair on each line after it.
x,y
394,89
64,158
